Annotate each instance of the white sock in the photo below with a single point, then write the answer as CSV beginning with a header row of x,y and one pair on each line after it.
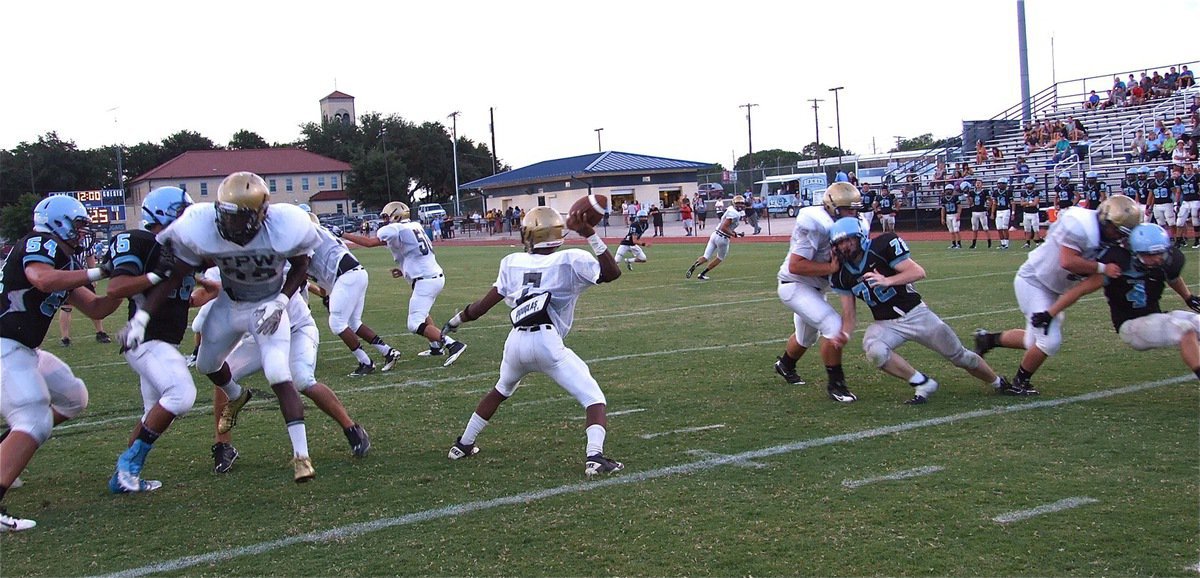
x,y
916,379
436,345
474,426
595,439
362,356
382,347
299,437
232,390
996,382
447,340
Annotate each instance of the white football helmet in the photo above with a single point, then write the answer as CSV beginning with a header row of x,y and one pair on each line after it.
x,y
241,206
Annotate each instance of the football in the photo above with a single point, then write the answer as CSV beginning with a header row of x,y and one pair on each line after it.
x,y
590,208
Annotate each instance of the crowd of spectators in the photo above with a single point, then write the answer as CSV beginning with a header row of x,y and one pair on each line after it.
x,y
1133,92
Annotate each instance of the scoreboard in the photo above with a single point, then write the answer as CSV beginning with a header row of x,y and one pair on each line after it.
x,y
105,206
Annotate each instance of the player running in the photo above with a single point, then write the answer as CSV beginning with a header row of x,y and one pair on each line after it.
x,y
718,242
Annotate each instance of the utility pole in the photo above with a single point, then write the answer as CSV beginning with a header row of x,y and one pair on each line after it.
x,y
817,125
837,112
749,140
387,171
492,127
454,147
599,148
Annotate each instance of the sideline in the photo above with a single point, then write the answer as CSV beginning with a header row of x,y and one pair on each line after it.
x,y
630,477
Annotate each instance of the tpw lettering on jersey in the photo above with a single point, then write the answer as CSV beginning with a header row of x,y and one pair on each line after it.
x,y
251,267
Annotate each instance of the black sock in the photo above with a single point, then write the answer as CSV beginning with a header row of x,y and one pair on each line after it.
x,y
835,373
705,271
2,490
147,435
788,361
1196,371
992,339
1023,375
5,433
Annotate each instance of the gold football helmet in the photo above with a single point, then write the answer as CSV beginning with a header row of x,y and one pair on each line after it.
x,y
542,228
1121,212
739,200
241,206
394,212
842,195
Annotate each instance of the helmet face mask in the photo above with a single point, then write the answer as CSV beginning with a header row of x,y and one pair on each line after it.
x,y
64,217
163,205
241,207
739,202
1151,245
847,239
842,196
395,212
542,228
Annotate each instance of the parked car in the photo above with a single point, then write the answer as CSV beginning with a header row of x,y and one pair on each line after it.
x,y
428,211
711,190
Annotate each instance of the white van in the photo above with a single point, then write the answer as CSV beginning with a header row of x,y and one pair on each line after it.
x,y
429,211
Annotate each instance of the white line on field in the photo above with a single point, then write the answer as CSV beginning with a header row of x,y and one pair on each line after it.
x,y
710,455
1195,568
651,436
901,475
612,413
1064,504
629,477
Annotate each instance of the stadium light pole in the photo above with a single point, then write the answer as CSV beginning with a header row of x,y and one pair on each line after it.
x,y
837,112
454,148
749,142
387,172
817,125
599,148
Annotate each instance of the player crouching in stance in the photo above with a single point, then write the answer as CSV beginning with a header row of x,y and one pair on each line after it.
x,y
718,243
38,390
881,272
630,250
1147,266
416,262
138,263
542,286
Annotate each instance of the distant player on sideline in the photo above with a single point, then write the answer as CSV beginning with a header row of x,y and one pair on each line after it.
x,y
415,262
867,214
881,272
886,206
982,206
630,250
1094,190
1163,199
1189,208
718,242
1031,206
952,207
1002,203
542,286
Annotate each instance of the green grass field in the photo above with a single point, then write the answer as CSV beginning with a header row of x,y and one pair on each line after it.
x,y
729,471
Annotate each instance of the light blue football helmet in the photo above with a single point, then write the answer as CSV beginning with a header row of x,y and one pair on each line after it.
x,y
1149,238
62,216
163,205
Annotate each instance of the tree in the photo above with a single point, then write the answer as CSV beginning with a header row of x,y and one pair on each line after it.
x,y
184,141
924,142
245,139
16,219
811,150
53,164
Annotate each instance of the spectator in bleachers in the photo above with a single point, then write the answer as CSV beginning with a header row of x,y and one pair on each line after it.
x,y
1116,96
1154,144
1075,130
939,174
1160,127
1022,168
1137,95
1092,102
1147,85
1172,79
1178,129
1062,150
980,153
1159,88
1137,148
1031,139
1186,78
997,154
1169,146
1179,156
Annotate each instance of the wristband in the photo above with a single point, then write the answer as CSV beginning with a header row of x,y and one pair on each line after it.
x,y
154,278
95,274
1099,268
597,244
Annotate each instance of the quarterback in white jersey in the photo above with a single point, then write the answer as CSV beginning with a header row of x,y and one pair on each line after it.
x,y
718,243
250,245
803,281
542,286
341,281
415,262
1070,253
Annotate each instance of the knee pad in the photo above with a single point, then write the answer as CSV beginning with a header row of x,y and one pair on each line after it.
x,y
337,324
179,399
877,352
966,359
1049,344
72,400
418,329
33,419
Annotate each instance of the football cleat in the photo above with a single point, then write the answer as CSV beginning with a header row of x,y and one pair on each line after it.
x,y
1024,386
460,450
363,369
1006,388
127,483
360,442
598,464
304,469
102,337
983,342
789,375
191,360
917,400
10,523
702,276
840,393
431,352
923,390
229,415
223,457
690,270
390,360
454,350
65,342
629,265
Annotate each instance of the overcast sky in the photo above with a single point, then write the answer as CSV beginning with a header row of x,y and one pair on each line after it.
x,y
662,78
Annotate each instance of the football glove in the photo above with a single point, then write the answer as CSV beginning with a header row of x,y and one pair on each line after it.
x,y
325,300
1193,303
452,324
134,332
268,316
1042,320
106,265
337,231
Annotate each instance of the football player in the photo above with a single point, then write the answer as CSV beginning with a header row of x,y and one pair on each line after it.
x,y
630,250
1031,206
1069,254
1094,190
1064,191
137,264
542,286
38,390
416,262
1188,186
803,279
1147,266
341,282
886,206
1143,193
1129,187
1002,202
250,245
1162,200
718,242
881,272
867,214
952,207
982,206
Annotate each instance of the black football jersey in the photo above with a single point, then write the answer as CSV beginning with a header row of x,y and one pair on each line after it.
x,y
1189,186
25,312
1064,196
868,200
135,252
1142,192
881,255
1095,193
1137,292
1031,201
887,204
950,204
979,201
1003,198
1161,189
636,230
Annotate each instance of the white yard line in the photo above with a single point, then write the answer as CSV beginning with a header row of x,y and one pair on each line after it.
x,y
901,475
651,436
627,477
611,413
1064,504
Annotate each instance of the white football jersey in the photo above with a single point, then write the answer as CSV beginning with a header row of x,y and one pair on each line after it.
x,y
1076,228
251,272
411,249
326,258
564,274
810,239
732,214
